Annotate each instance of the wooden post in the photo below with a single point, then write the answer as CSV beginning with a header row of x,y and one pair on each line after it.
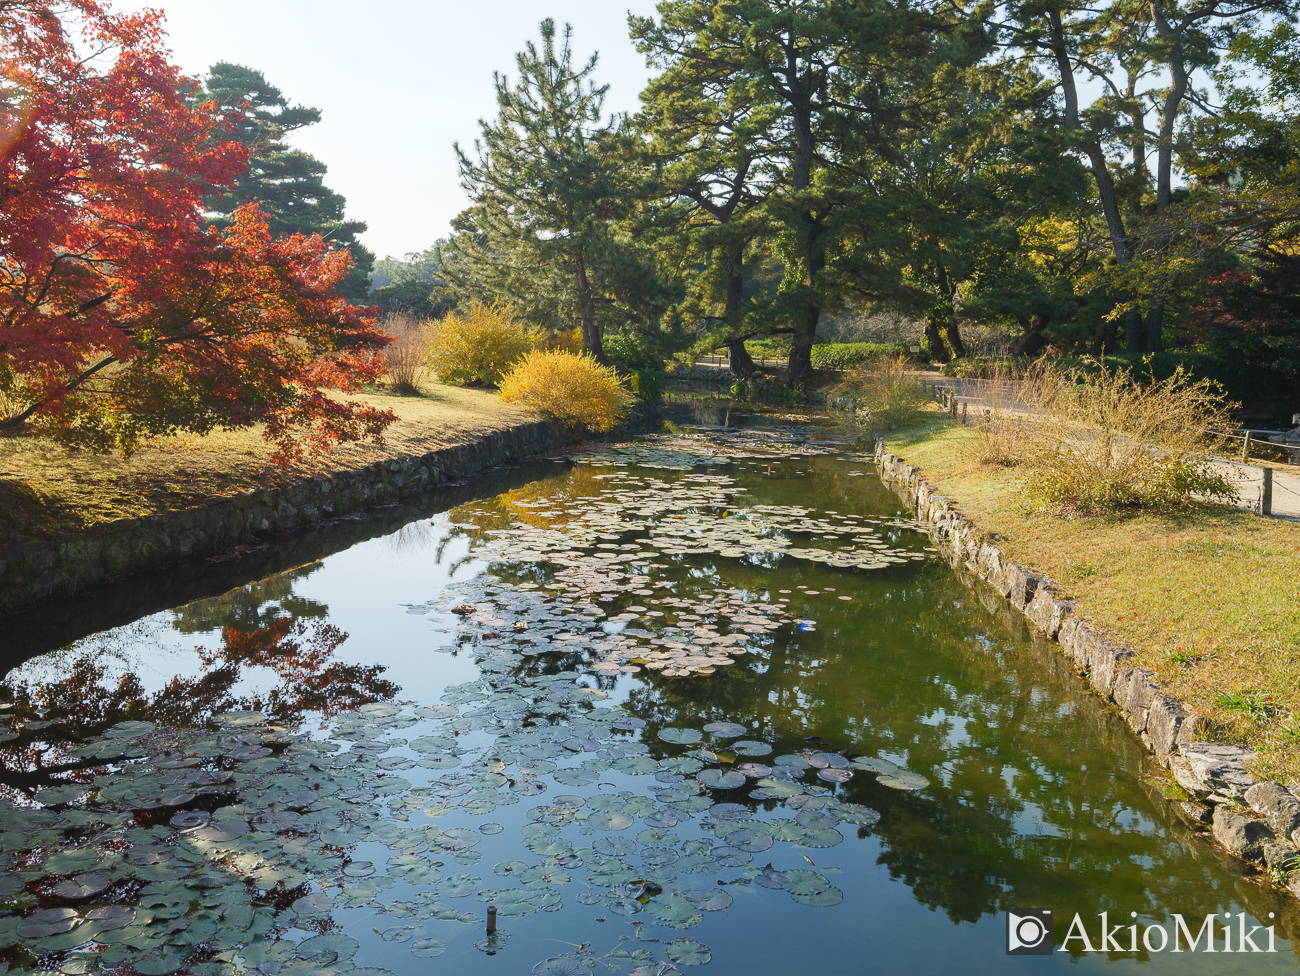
x,y
1245,448
1266,493
963,413
491,919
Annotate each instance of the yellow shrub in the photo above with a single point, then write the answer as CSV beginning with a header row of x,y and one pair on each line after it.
x,y
890,389
568,341
478,344
575,390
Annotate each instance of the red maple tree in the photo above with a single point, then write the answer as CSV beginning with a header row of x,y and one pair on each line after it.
x,y
123,313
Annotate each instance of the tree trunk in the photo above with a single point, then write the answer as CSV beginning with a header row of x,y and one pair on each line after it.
x,y
1110,338
1178,84
1033,340
934,339
810,232
739,360
1155,326
1133,338
591,337
1101,174
951,330
801,371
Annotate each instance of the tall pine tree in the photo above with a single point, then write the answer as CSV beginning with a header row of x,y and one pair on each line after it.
x,y
830,78
550,187
287,184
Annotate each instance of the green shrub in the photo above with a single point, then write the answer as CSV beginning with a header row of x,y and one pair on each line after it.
x,y
847,355
646,384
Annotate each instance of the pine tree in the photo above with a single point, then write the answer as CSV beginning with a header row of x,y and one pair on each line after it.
x,y
288,185
716,163
550,187
829,78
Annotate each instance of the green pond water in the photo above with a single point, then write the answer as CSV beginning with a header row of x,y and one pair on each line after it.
x,y
702,702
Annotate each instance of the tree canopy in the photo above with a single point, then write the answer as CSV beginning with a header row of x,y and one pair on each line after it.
x,y
288,185
124,313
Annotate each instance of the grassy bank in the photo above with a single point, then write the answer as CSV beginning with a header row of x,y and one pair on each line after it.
x,y
1207,597
46,488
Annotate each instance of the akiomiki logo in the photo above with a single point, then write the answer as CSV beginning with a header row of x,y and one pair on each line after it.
x,y
1216,933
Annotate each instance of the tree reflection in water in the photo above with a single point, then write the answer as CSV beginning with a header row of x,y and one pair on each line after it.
x,y
42,722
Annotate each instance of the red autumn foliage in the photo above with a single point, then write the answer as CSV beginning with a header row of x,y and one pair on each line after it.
x,y
123,314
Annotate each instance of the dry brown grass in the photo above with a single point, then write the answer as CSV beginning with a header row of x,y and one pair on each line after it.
x,y
1101,440
46,488
890,389
1206,595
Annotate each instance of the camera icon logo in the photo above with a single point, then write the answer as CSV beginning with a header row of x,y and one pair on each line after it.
x,y
1029,933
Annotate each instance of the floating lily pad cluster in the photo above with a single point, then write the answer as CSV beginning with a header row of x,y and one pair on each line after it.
x,y
708,446
202,851
602,552
236,848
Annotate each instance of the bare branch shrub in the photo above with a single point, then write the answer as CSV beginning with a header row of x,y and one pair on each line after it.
x,y
406,354
890,389
1103,439
1004,432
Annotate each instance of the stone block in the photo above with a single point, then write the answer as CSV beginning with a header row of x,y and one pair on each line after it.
x,y
1278,806
1142,690
1047,612
1164,718
1213,770
1105,661
1240,835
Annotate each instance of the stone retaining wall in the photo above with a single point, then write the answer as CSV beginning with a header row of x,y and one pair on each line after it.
x,y
1255,821
30,571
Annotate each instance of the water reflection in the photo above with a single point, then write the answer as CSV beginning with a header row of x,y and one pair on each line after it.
x,y
1037,795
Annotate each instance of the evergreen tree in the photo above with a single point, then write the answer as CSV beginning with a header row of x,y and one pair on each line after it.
x,y
550,187
716,165
287,184
414,284
831,79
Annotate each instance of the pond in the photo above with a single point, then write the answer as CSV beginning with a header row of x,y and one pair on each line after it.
x,y
705,699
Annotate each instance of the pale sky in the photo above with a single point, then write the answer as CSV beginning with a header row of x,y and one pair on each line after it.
x,y
397,83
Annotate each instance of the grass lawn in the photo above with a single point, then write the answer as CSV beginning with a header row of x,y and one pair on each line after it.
x,y
1207,597
47,488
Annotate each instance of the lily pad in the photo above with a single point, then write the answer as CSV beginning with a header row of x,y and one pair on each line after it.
x,y
820,899
748,747
163,960
903,780
835,775
52,921
688,952
873,765
562,966
717,779
674,911
725,730
81,886
610,821
709,899
312,904
680,736
428,948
